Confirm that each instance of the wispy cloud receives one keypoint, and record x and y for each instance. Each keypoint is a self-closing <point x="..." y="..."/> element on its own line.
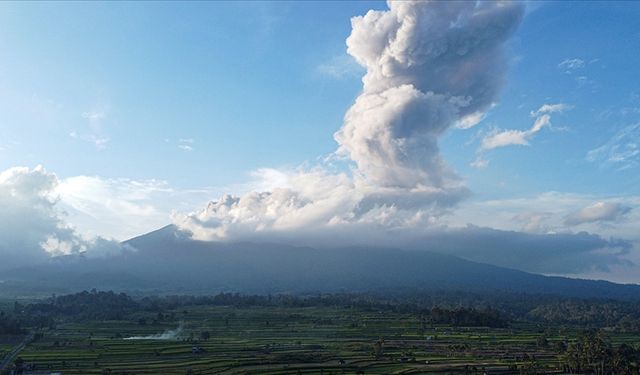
<point x="95" y="133"/>
<point x="622" y="151"/>
<point x="479" y="163"/>
<point x="571" y="65"/>
<point x="471" y="120"/>
<point x="576" y="68"/>
<point x="7" y="143"/>
<point x="598" y="212"/>
<point x="503" y="138"/>
<point x="186" y="144"/>
<point x="94" y="116"/>
<point x="557" y="212"/>
<point x="551" y="108"/>
<point x="99" y="142"/>
<point x="340" y="67"/>
<point x="94" y="202"/>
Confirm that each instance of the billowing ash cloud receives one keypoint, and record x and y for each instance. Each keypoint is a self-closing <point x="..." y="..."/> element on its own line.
<point x="31" y="227"/>
<point x="429" y="66"/>
<point x="309" y="206"/>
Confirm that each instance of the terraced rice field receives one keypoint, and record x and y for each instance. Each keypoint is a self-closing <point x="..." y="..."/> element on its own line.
<point x="272" y="340"/>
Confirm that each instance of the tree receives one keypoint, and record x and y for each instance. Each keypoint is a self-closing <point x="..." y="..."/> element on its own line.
<point x="378" y="348"/>
<point x="205" y="335"/>
<point x="542" y="341"/>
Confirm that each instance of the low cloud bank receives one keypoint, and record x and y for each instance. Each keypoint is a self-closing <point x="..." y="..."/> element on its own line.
<point x="33" y="228"/>
<point x="553" y="253"/>
<point x="598" y="212"/>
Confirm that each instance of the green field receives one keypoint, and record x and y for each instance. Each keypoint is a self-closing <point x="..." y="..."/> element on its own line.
<point x="283" y="340"/>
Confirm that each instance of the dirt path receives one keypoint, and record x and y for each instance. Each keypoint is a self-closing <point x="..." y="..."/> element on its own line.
<point x="7" y="360"/>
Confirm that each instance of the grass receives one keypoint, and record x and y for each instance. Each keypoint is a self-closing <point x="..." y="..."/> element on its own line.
<point x="272" y="340"/>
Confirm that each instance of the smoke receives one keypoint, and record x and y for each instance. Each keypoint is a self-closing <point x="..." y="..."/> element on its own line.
<point x="315" y="205"/>
<point x="429" y="66"/>
<point x="170" y="334"/>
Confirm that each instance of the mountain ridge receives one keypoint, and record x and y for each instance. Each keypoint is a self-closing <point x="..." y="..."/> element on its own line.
<point x="420" y="269"/>
<point x="169" y="261"/>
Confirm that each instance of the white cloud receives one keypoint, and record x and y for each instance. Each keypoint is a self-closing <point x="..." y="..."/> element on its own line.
<point x="479" y="163"/>
<point x="569" y="65"/>
<point x="470" y="120"/>
<point x="558" y="247"/>
<point x="598" y="212"/>
<point x="583" y="81"/>
<point x="95" y="133"/>
<point x="340" y="67"/>
<point x="319" y="209"/>
<point x="304" y="205"/>
<point x="99" y="142"/>
<point x="547" y="253"/>
<point x="121" y="208"/>
<point x="622" y="151"/>
<point x="534" y="222"/>
<point x="184" y="144"/>
<point x="88" y="208"/>
<point x="548" y="213"/>
<point x="577" y="66"/>
<point x="551" y="108"/>
<point x="94" y="116"/>
<point x="117" y="208"/>
<point x="497" y="138"/>
<point x="514" y="137"/>
<point x="32" y="225"/>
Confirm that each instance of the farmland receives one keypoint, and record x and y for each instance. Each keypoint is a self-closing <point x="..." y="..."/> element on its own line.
<point x="205" y="339"/>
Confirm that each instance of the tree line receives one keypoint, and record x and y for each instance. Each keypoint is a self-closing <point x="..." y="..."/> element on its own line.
<point x="451" y="308"/>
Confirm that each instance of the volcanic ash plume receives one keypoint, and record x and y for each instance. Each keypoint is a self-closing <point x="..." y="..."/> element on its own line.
<point x="430" y="66"/>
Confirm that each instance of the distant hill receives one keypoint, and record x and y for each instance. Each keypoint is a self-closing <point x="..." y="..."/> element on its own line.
<point x="167" y="261"/>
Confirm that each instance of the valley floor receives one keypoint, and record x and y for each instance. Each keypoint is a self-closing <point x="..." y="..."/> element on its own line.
<point x="293" y="340"/>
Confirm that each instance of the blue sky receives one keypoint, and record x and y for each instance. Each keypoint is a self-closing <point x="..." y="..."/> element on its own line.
<point x="242" y="80"/>
<point x="232" y="77"/>
<point x="186" y="101"/>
